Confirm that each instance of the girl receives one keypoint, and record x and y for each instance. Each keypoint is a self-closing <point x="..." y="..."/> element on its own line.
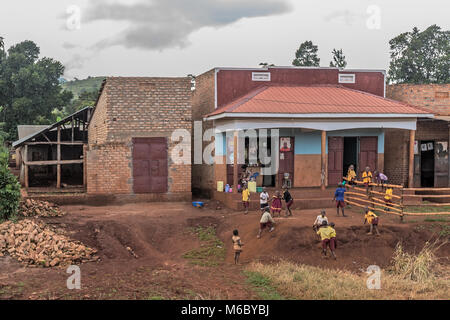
<point x="276" y="203"/>
<point x="237" y="246"/>
<point x="289" y="201"/>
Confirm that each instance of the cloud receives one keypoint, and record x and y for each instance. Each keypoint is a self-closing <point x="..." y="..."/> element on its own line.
<point x="161" y="24"/>
<point x="69" y="46"/>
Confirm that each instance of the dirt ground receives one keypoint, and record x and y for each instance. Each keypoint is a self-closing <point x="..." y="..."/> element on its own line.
<point x="161" y="233"/>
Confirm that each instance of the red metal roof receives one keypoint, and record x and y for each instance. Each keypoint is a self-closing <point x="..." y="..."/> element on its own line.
<point x="315" y="99"/>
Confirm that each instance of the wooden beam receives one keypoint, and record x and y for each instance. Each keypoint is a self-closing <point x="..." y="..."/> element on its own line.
<point x="73" y="130"/>
<point x="53" y="162"/>
<point x="235" y="162"/>
<point x="45" y="136"/>
<point x="323" y="159"/>
<point x="25" y="158"/>
<point x="85" y="166"/>
<point x="54" y="142"/>
<point x="58" y="157"/>
<point x="412" y="137"/>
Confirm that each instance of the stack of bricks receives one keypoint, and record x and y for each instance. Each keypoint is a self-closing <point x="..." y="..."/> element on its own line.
<point x="130" y="108"/>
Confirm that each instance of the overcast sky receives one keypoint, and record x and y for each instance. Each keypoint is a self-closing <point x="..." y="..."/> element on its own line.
<point x="178" y="37"/>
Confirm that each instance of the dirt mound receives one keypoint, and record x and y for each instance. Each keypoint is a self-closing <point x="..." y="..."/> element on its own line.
<point x="34" y="243"/>
<point x="32" y="208"/>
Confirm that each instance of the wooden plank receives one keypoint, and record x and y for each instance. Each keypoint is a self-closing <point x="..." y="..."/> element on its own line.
<point x="430" y="205"/>
<point x="53" y="162"/>
<point x="426" y="213"/>
<point x="428" y="189"/>
<point x="58" y="157"/>
<point x="374" y="192"/>
<point x="427" y="195"/>
<point x="54" y="142"/>
<point x="372" y="208"/>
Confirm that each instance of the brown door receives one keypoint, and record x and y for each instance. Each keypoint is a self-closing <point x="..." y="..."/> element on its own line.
<point x="368" y="149"/>
<point x="335" y="160"/>
<point x="286" y="164"/>
<point x="441" y="164"/>
<point x="150" y="165"/>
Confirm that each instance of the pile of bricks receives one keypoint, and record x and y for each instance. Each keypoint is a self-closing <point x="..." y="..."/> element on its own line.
<point x="32" y="208"/>
<point x="33" y="243"/>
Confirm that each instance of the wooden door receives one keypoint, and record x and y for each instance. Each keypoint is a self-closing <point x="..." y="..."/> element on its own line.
<point x="335" y="160"/>
<point x="286" y="156"/>
<point x="150" y="165"/>
<point x="368" y="153"/>
<point x="441" y="164"/>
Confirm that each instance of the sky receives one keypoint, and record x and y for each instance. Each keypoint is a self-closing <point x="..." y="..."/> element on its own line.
<point x="181" y="37"/>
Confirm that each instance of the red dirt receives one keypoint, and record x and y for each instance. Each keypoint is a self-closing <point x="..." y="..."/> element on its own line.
<point x="159" y="234"/>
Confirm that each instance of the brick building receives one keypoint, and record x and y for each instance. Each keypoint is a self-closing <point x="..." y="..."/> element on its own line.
<point x="130" y="145"/>
<point x="431" y="165"/>
<point x="328" y="118"/>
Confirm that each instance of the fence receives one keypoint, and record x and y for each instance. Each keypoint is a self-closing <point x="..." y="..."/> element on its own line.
<point x="374" y="197"/>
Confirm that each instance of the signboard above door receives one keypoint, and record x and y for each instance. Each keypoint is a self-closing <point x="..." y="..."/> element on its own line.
<point x="260" y="76"/>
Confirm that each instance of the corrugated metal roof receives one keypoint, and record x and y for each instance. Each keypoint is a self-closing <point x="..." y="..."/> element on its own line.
<point x="315" y="99"/>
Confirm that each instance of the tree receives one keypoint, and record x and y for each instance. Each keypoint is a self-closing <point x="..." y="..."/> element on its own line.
<point x="338" y="59"/>
<point x="29" y="87"/>
<point x="266" y="65"/>
<point x="306" y="55"/>
<point x="420" y="57"/>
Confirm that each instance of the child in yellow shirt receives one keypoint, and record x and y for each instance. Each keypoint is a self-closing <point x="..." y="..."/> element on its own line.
<point x="367" y="176"/>
<point x="237" y="246"/>
<point x="372" y="219"/>
<point x="351" y="174"/>
<point x="246" y="198"/>
<point x="328" y="236"/>
<point x="388" y="198"/>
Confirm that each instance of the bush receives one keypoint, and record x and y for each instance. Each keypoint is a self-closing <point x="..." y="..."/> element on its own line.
<point x="9" y="188"/>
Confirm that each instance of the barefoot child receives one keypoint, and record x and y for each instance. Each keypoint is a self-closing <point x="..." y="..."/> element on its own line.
<point x="351" y="175"/>
<point x="367" y="177"/>
<point x="237" y="246"/>
<point x="289" y="201"/>
<point x="276" y="204"/>
<point x="266" y="222"/>
<point x="339" y="198"/>
<point x="245" y="198"/>
<point x="388" y="198"/>
<point x="326" y="233"/>
<point x="319" y="220"/>
<point x="372" y="219"/>
<point x="264" y="199"/>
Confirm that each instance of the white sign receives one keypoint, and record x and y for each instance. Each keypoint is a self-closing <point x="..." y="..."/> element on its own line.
<point x="260" y="76"/>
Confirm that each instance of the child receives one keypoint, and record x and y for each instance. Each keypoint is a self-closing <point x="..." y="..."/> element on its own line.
<point x="326" y="233"/>
<point x="237" y="246"/>
<point x="264" y="199"/>
<point x="339" y="198"/>
<point x="276" y="203"/>
<point x="388" y="198"/>
<point x="351" y="175"/>
<point x="289" y="201"/>
<point x="367" y="176"/>
<point x="266" y="222"/>
<point x="245" y="198"/>
<point x="380" y="178"/>
<point x="320" y="219"/>
<point x="372" y="219"/>
<point x="333" y="238"/>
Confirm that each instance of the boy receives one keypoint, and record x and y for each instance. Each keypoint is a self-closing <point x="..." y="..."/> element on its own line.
<point x="245" y="198"/>
<point x="320" y="219"/>
<point x="264" y="199"/>
<point x="326" y="233"/>
<point x="266" y="222"/>
<point x="333" y="238"/>
<point x="339" y="198"/>
<point x="388" y="198"/>
<point x="237" y="246"/>
<point x="289" y="201"/>
<point x="372" y="219"/>
<point x="367" y="176"/>
<point x="351" y="175"/>
<point x="381" y="178"/>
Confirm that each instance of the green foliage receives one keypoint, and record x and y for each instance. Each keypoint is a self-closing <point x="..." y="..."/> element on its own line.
<point x="77" y="87"/>
<point x="9" y="188"/>
<point x="29" y="87"/>
<point x="338" y="59"/>
<point x="420" y="57"/>
<point x="262" y="286"/>
<point x="306" y="55"/>
<point x="212" y="250"/>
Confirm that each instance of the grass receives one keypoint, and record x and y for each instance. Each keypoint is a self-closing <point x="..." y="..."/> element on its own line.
<point x="262" y="285"/>
<point x="211" y="251"/>
<point x="78" y="86"/>
<point x="410" y="277"/>
<point x="429" y="209"/>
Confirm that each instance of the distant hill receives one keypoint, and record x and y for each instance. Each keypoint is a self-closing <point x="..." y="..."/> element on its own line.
<point x="78" y="86"/>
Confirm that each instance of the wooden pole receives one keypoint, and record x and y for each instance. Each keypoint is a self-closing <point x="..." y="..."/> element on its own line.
<point x="73" y="131"/>
<point x="323" y="159"/>
<point x="235" y="162"/>
<point x="412" y="137"/>
<point x="25" y="158"/>
<point x="58" y="156"/>
<point x="84" y="166"/>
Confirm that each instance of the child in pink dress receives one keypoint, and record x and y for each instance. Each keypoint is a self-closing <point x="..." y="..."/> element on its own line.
<point x="276" y="204"/>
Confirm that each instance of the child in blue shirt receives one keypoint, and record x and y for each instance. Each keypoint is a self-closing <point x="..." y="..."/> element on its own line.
<point x="339" y="198"/>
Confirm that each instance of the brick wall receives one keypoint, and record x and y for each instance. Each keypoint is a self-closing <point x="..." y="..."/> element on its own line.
<point x="136" y="107"/>
<point x="396" y="151"/>
<point x="203" y="102"/>
<point x="433" y="97"/>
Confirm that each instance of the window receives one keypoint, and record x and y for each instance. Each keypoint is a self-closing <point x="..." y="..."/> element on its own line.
<point x="347" y="78"/>
<point x="260" y="76"/>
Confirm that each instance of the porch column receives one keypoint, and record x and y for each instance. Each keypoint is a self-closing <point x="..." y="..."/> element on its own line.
<point x="58" y="157"/>
<point x="235" y="162"/>
<point x="323" y="160"/>
<point x="25" y="161"/>
<point x="412" y="137"/>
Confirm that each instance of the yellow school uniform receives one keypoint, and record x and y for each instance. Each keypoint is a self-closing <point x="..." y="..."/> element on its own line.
<point x="367" y="177"/>
<point x="351" y="175"/>
<point x="326" y="233"/>
<point x="388" y="195"/>
<point x="370" y="216"/>
<point x="245" y="195"/>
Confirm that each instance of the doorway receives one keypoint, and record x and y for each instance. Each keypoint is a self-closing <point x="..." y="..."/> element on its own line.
<point x="350" y="153"/>
<point x="427" y="164"/>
